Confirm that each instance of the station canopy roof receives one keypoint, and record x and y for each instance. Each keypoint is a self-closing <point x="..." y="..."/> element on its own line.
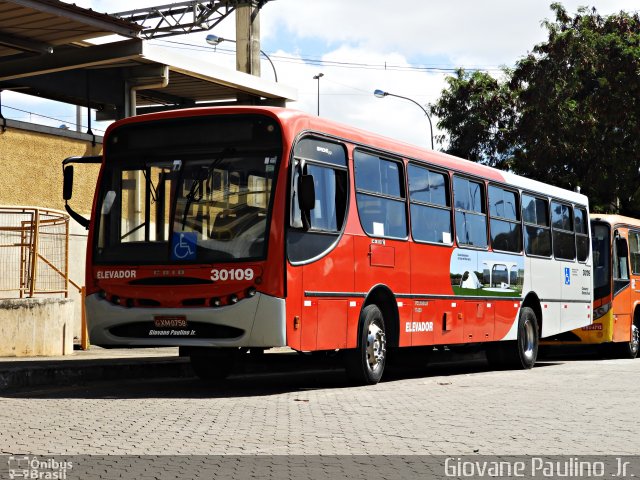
<point x="44" y="52"/>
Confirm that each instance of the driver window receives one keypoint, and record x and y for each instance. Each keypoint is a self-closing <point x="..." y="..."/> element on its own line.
<point x="314" y="231"/>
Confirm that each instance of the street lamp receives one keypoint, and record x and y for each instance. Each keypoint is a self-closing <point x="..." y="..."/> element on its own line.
<point x="318" y="77"/>
<point x="382" y="94"/>
<point x="216" y="40"/>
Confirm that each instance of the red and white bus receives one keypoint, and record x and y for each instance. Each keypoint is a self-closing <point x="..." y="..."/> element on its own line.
<point x="225" y="229"/>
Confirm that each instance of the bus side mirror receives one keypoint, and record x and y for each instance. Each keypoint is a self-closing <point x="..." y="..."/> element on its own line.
<point x="622" y="250"/>
<point x="306" y="193"/>
<point x="67" y="187"/>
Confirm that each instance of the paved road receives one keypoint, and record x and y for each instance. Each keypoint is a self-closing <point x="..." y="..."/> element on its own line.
<point x="566" y="406"/>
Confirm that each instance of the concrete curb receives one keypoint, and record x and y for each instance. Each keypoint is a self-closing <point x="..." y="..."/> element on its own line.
<point x="69" y="372"/>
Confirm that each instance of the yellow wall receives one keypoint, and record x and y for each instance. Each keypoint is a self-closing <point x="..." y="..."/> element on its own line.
<point x="32" y="170"/>
<point x="32" y="176"/>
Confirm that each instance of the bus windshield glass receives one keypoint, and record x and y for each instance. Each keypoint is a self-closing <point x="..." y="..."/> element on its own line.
<point x="601" y="246"/>
<point x="194" y="190"/>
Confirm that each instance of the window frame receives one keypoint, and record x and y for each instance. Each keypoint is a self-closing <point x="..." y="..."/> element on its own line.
<point x="586" y="221"/>
<point x="403" y="190"/>
<point x="449" y="197"/>
<point x="518" y="221"/>
<point x="630" y="232"/>
<point x="526" y="224"/>
<point x="484" y="214"/>
<point x="293" y="159"/>
<point x="304" y="162"/>
<point x="561" y="230"/>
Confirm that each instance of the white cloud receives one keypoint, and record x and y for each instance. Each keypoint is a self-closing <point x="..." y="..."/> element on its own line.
<point x="485" y="32"/>
<point x="436" y="32"/>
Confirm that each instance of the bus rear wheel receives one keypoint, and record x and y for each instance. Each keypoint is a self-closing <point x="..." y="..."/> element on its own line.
<point x="213" y="364"/>
<point x="365" y="364"/>
<point x="522" y="353"/>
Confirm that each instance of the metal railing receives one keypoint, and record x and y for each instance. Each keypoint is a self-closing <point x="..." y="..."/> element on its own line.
<point x="34" y="252"/>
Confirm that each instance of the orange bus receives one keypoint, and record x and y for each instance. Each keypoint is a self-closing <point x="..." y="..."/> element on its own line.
<point x="234" y="229"/>
<point x="616" y="286"/>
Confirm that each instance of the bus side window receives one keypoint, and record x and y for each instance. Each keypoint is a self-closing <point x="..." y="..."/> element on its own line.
<point x="430" y="205"/>
<point x="470" y="212"/>
<point x="537" y="231"/>
<point x="582" y="234"/>
<point x="620" y="263"/>
<point x="634" y="250"/>
<point x="380" y="196"/>
<point x="564" y="243"/>
<point x="505" y="220"/>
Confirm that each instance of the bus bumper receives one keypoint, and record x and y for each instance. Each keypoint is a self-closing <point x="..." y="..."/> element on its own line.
<point x="258" y="321"/>
<point x="600" y="331"/>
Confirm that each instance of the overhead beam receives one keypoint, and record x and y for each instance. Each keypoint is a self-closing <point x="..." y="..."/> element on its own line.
<point x="68" y="59"/>
<point x="24" y="44"/>
<point x="88" y="17"/>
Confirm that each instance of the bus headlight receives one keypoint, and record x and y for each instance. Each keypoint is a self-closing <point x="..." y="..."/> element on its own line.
<point x="601" y="311"/>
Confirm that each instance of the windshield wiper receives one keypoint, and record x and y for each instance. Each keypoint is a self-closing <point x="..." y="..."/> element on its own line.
<point x="197" y="181"/>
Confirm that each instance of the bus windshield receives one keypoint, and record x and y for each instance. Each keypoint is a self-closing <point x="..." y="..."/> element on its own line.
<point x="601" y="246"/>
<point x="204" y="202"/>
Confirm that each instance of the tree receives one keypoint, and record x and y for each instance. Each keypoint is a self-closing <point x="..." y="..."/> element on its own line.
<point x="475" y="111"/>
<point x="572" y="114"/>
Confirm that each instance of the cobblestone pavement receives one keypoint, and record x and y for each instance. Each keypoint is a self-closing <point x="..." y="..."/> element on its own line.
<point x="560" y="407"/>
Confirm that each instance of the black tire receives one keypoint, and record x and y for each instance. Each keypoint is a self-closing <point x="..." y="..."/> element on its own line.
<point x="522" y="353"/>
<point x="365" y="364"/>
<point x="211" y="365"/>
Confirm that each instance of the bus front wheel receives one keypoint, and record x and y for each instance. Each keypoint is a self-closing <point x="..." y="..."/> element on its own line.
<point x="366" y="363"/>
<point x="522" y="353"/>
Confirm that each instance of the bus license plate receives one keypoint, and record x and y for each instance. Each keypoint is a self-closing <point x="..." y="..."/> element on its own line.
<point x="170" y="321"/>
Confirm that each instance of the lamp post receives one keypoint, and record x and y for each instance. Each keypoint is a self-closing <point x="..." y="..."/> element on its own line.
<point x="318" y="77"/>
<point x="216" y="40"/>
<point x="382" y="94"/>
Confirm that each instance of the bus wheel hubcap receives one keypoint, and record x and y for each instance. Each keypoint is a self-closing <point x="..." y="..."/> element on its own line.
<point x="635" y="338"/>
<point x="376" y="346"/>
<point x="528" y="340"/>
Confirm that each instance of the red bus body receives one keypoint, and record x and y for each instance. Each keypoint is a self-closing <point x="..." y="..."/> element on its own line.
<point x="319" y="301"/>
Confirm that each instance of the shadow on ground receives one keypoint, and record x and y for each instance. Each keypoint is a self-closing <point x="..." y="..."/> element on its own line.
<point x="271" y="374"/>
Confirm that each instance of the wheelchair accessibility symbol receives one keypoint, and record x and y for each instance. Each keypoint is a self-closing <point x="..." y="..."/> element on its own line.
<point x="183" y="245"/>
<point x="567" y="276"/>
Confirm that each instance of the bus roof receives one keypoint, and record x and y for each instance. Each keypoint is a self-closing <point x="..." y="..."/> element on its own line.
<point x="299" y="121"/>
<point x="616" y="219"/>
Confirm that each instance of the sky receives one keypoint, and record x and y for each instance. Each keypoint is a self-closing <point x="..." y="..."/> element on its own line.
<point x="360" y="46"/>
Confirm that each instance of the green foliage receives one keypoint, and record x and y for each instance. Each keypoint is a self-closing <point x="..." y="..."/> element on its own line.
<point x="568" y="114"/>
<point x="474" y="111"/>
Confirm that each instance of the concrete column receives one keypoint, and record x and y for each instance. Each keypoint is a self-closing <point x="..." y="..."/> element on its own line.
<point x="248" y="38"/>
